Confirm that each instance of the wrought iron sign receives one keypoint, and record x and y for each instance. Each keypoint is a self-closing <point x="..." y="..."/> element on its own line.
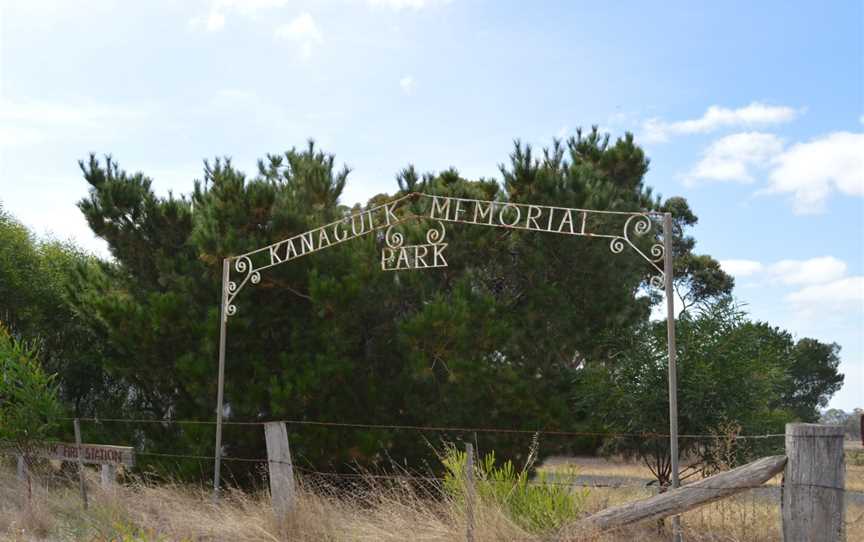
<point x="397" y="256"/>
<point x="620" y="228"/>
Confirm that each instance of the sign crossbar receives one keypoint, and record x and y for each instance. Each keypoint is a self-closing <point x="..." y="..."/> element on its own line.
<point x="619" y="227"/>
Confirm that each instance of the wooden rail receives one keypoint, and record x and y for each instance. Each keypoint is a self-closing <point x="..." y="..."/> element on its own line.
<point x="680" y="500"/>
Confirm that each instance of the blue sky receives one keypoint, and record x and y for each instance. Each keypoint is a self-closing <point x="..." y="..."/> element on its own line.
<point x="751" y="110"/>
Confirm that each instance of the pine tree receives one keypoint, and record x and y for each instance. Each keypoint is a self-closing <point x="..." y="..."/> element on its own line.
<point x="495" y="339"/>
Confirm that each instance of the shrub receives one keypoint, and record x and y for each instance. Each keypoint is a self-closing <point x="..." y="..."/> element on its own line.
<point x="29" y="407"/>
<point x="537" y="504"/>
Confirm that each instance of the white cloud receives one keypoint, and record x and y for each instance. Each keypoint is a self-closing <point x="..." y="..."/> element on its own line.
<point x="715" y="117"/>
<point x="731" y="158"/>
<point x="214" y="19"/>
<point x="654" y="131"/>
<point x="408" y="85"/>
<point x="809" y="171"/>
<point x="20" y="136"/>
<point x="304" y="31"/>
<point x="741" y="268"/>
<point x="835" y="296"/>
<point x="230" y="96"/>
<point x="59" y="113"/>
<point x="30" y="122"/>
<point x="817" y="288"/>
<point x="246" y="105"/>
<point x="812" y="171"/>
<point x="250" y="7"/>
<point x="814" y="271"/>
<point x="215" y="22"/>
<point x="402" y="4"/>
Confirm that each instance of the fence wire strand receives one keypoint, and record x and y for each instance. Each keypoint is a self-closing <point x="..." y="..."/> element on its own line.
<point x="439" y="429"/>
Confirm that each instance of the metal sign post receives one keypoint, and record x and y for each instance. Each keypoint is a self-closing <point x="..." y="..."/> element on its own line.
<point x="223" y="322"/>
<point x="673" y="368"/>
<point x="620" y="229"/>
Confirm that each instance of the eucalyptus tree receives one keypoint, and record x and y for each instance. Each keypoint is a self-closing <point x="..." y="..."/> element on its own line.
<point x="734" y="376"/>
<point x="35" y="277"/>
<point x="29" y="404"/>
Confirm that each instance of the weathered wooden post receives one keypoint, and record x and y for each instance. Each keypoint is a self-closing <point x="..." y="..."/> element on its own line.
<point x="279" y="468"/>
<point x="22" y="469"/>
<point x="469" y="492"/>
<point x="24" y="477"/>
<point x="78" y="454"/>
<point x="813" y="484"/>
<point x="108" y="476"/>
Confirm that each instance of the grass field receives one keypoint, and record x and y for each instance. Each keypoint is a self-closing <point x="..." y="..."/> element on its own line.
<point x="854" y="466"/>
<point x="631" y="470"/>
<point x="167" y="512"/>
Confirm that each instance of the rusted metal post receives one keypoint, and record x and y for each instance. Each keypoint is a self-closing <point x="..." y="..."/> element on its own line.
<point x="223" y="321"/>
<point x="673" y="368"/>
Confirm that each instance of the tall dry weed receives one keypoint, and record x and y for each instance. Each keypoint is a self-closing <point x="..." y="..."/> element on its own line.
<point x="370" y="510"/>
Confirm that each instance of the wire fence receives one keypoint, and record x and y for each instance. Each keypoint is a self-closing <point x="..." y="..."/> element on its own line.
<point x="759" y="501"/>
<point x="356" y="472"/>
<point x="433" y="428"/>
<point x="604" y="481"/>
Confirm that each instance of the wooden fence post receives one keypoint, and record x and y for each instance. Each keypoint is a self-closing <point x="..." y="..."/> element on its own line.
<point x="469" y="492"/>
<point x="813" y="484"/>
<point x="22" y="469"/>
<point x="108" y="476"/>
<point x="279" y="467"/>
<point x="77" y="426"/>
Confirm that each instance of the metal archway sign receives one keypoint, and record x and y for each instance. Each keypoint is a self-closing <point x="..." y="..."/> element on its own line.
<point x="619" y="229"/>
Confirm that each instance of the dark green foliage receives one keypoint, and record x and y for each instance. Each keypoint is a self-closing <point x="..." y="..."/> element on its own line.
<point x="496" y="337"/>
<point x="698" y="277"/>
<point x="731" y="372"/>
<point x="503" y="337"/>
<point x="35" y="278"/>
<point x="29" y="406"/>
<point x="812" y="376"/>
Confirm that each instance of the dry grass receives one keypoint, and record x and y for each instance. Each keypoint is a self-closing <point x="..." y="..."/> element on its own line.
<point x="745" y="517"/>
<point x="854" y="465"/>
<point x="598" y="466"/>
<point x="621" y="468"/>
<point x="170" y="512"/>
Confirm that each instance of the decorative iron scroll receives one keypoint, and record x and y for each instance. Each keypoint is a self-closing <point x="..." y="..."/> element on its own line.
<point x="396" y="257"/>
<point x="621" y="228"/>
